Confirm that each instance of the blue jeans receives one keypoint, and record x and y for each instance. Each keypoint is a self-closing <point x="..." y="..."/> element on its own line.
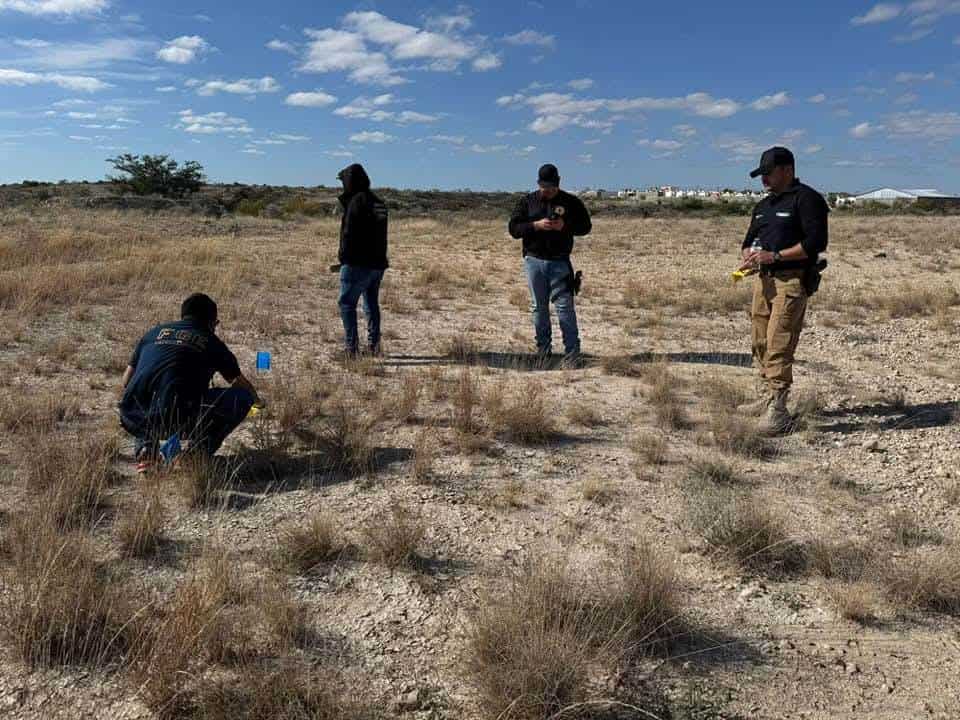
<point x="548" y="283"/>
<point x="355" y="282"/>
<point x="220" y="413"/>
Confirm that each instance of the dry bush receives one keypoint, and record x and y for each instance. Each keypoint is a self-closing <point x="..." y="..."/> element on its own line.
<point x="649" y="448"/>
<point x="466" y="400"/>
<point x="72" y="474"/>
<point x="599" y="490"/>
<point x="911" y="300"/>
<point x="639" y="295"/>
<point x="318" y="540"/>
<point x="525" y="416"/>
<point x="140" y="526"/>
<point x="461" y="349"/>
<point x="907" y="531"/>
<point x="344" y="436"/>
<point x="722" y="393"/>
<point x="737" y="435"/>
<point x="663" y="397"/>
<point x="292" y="690"/>
<point x="582" y="413"/>
<point x="36" y="411"/>
<point x="408" y="399"/>
<point x="59" y="605"/>
<point x="393" y="538"/>
<point x="534" y="647"/>
<point x="742" y="527"/>
<point x="425" y="452"/>
<point x="621" y="365"/>
<point x="200" y="479"/>
<point x="295" y="402"/>
<point x="857" y="602"/>
<point x="927" y="582"/>
<point x="713" y="470"/>
<point x="520" y="299"/>
<point x="848" y="561"/>
<point x="644" y="601"/>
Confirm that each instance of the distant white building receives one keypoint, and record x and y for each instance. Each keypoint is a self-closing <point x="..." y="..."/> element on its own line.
<point x="891" y="195"/>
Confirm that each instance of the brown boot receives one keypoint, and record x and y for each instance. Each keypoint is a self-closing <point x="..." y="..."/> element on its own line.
<point x="777" y="420"/>
<point x="756" y="408"/>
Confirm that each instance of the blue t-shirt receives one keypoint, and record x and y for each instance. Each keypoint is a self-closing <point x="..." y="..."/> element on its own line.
<point x="173" y="366"/>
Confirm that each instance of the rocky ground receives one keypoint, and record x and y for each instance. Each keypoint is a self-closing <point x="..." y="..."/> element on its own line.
<point x="878" y="381"/>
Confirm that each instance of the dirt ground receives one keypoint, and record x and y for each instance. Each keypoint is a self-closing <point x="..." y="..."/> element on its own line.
<point x="878" y="379"/>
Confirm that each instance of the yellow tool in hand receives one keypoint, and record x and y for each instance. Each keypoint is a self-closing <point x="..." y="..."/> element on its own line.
<point x="741" y="274"/>
<point x="256" y="409"/>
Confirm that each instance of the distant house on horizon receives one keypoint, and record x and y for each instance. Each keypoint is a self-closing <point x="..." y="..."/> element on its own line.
<point x="890" y="196"/>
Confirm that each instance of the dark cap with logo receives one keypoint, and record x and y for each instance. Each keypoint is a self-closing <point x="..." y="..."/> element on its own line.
<point x="549" y="176"/>
<point x="773" y="158"/>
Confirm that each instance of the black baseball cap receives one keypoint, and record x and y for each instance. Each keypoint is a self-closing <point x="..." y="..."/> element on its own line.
<point x="548" y="176"/>
<point x="773" y="158"/>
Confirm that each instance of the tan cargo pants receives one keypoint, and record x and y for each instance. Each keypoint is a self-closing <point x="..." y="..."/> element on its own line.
<point x="778" y="309"/>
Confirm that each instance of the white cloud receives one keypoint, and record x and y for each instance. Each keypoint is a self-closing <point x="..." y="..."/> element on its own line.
<point x="525" y="151"/>
<point x="581" y="84"/>
<point x="924" y="125"/>
<point x="77" y="55"/>
<point x="341" y="51"/>
<point x="670" y="145"/>
<point x="281" y="46"/>
<point x="488" y="149"/>
<point x="293" y="138"/>
<point x="907" y="99"/>
<point x="817" y="99"/>
<point x="409" y="116"/>
<point x="507" y="100"/>
<point x="166" y="89"/>
<point x="244" y="86"/>
<point x="769" y="102"/>
<point x="407" y="41"/>
<point x="792" y="135"/>
<point x="310" y="99"/>
<point x="545" y="125"/>
<point x="585" y="159"/>
<point x="253" y="151"/>
<point x="740" y="149"/>
<point x="531" y="37"/>
<point x="882" y="12"/>
<point x="79" y="83"/>
<point x="450" y="24"/>
<point x="685" y="130"/>
<point x="813" y="149"/>
<point x="367" y="108"/>
<point x="956" y="40"/>
<point x="908" y="77"/>
<point x="910" y="37"/>
<point x="212" y="124"/>
<point x="375" y="137"/>
<point x="339" y="153"/>
<point x="55" y="7"/>
<point x="184" y="49"/>
<point x="863" y="130"/>
<point x="507" y="133"/>
<point x="451" y="139"/>
<point x="80" y="138"/>
<point x="487" y="61"/>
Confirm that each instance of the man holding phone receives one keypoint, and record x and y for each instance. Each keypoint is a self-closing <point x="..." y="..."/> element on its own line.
<point x="547" y="221"/>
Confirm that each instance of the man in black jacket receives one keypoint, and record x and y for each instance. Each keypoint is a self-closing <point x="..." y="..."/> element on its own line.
<point x="363" y="257"/>
<point x="166" y="386"/>
<point x="547" y="221"/>
<point x="787" y="233"/>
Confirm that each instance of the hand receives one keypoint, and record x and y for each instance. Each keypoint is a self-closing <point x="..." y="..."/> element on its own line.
<point x="543" y="225"/>
<point x="762" y="257"/>
<point x="558" y="225"/>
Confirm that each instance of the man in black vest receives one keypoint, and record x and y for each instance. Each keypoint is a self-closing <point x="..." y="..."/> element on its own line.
<point x="166" y="386"/>
<point x="787" y="233"/>
<point x="547" y="221"/>
<point x="363" y="257"/>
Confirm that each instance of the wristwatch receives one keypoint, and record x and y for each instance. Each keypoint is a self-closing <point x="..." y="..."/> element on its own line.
<point x="777" y="257"/>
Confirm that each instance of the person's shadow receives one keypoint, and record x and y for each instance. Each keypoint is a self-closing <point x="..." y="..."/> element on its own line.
<point x="891" y="417"/>
<point x="531" y="362"/>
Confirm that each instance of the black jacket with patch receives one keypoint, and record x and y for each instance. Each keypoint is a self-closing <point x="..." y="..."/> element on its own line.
<point x="363" y="227"/>
<point x="797" y="215"/>
<point x="552" y="244"/>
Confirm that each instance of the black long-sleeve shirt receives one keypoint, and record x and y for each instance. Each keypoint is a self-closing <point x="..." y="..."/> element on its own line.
<point x="363" y="227"/>
<point x="797" y="215"/>
<point x="549" y="244"/>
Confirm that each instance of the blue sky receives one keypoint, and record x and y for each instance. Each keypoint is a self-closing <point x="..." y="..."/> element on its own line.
<point x="454" y="95"/>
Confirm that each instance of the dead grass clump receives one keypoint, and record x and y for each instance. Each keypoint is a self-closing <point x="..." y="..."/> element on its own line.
<point x="599" y="490"/>
<point x="525" y="416"/>
<point x="408" y="399"/>
<point x="856" y="602"/>
<point x="722" y="393"/>
<point x="637" y="294"/>
<point x="59" y="607"/>
<point x="736" y="435"/>
<point x="520" y="299"/>
<point x="742" y="527"/>
<point x="345" y="438"/>
<point x="393" y="538"/>
<point x="425" y="453"/>
<point x="848" y="561"/>
<point x="303" y="547"/>
<point x="621" y="365"/>
<point x="140" y="526"/>
<point x="38" y="412"/>
<point x="928" y="583"/>
<point x="713" y="470"/>
<point x="664" y="399"/>
<point x="466" y="400"/>
<point x="649" y="448"/>
<point x="200" y="479"/>
<point x="907" y="531"/>
<point x="582" y="413"/>
<point x="461" y="349"/>
<point x="534" y="647"/>
<point x="915" y="301"/>
<point x="645" y="603"/>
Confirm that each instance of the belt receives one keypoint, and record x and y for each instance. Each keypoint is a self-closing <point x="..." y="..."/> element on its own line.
<point x="770" y="271"/>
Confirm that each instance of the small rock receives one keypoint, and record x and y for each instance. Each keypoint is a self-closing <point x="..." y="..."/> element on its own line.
<point x="750" y="592"/>
<point x="852" y="668"/>
<point x="886" y="688"/>
<point x="872" y="444"/>
<point x="409" y="702"/>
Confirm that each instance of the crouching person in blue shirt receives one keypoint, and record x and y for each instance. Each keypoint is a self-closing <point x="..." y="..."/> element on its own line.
<point x="166" y="386"/>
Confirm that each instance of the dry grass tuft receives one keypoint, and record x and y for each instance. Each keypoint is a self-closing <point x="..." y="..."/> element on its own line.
<point x="393" y="538"/>
<point x="713" y="470"/>
<point x="744" y="528"/>
<point x="664" y="399"/>
<point x="734" y="434"/>
<point x="848" y="561"/>
<point x="534" y="648"/>
<point x="60" y="606"/>
<point x="583" y="414"/>
<point x="200" y="479"/>
<point x="929" y="582"/>
<point x="345" y="437"/>
<point x="408" y="398"/>
<point x="599" y="490"/>
<point x="425" y="452"/>
<point x="466" y="400"/>
<point x="461" y="349"/>
<point x="38" y="412"/>
<point x="620" y="365"/>
<point x="649" y="448"/>
<point x="856" y="602"/>
<point x="907" y="531"/>
<point x="140" y="527"/>
<point x="303" y="547"/>
<point x="524" y="415"/>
